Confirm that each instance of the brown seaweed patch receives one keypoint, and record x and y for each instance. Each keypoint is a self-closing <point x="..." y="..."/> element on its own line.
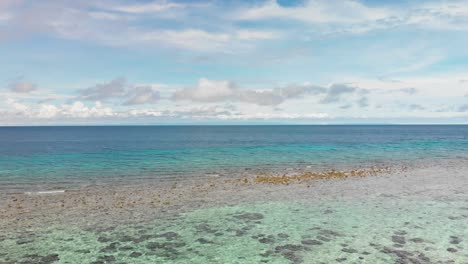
<point x="307" y="176"/>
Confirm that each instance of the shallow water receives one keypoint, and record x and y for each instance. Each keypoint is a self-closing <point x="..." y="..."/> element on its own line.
<point x="120" y="211"/>
<point x="379" y="231"/>
<point x="35" y="158"/>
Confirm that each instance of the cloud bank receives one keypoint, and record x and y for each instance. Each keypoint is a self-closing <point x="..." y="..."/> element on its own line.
<point x="121" y="90"/>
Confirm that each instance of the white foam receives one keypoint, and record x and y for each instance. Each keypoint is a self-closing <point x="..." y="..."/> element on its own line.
<point x="45" y="192"/>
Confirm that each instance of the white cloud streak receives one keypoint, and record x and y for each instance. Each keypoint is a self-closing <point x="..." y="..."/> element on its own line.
<point x="151" y="7"/>
<point x="351" y="16"/>
<point x="316" y="11"/>
<point x="131" y="25"/>
<point x="19" y="110"/>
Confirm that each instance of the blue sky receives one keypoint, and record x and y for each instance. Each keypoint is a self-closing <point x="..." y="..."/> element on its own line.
<point x="213" y="61"/>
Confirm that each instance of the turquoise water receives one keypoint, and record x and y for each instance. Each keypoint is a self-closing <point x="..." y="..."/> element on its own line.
<point x="286" y="232"/>
<point x="31" y="155"/>
<point x="415" y="214"/>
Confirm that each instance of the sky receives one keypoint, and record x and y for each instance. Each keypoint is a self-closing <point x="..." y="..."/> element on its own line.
<point x="93" y="62"/>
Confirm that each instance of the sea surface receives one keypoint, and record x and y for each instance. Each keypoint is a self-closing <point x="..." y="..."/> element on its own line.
<point x="35" y="158"/>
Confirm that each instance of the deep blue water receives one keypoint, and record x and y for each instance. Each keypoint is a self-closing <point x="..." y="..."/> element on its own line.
<point x="42" y="155"/>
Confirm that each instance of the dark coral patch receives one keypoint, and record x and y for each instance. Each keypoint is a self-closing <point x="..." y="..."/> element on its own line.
<point x="454" y="240"/>
<point x="204" y="241"/>
<point x="291" y="252"/>
<point x="406" y="256"/>
<point x="169" y="235"/>
<point x="249" y="216"/>
<point x="205" y="228"/>
<point x="417" y="240"/>
<point x="327" y="232"/>
<point x="399" y="239"/>
<point x="267" y="240"/>
<point x="135" y="254"/>
<point x="165" y="246"/>
<point x="349" y="250"/>
<point x="103" y="239"/>
<point x="324" y="239"/>
<point x="311" y="242"/>
<point x="126" y="248"/>
<point x="111" y="247"/>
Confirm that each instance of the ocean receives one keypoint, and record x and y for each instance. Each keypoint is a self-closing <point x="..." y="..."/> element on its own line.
<point x="36" y="158"/>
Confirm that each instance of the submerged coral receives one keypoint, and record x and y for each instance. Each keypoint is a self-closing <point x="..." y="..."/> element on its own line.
<point x="306" y="176"/>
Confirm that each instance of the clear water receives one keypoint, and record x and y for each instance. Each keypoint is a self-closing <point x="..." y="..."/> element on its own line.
<point x="31" y="155"/>
<point x="419" y="215"/>
<point x="376" y="231"/>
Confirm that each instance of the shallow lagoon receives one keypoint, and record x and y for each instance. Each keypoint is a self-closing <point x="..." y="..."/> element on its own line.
<point x="352" y="232"/>
<point x="414" y="216"/>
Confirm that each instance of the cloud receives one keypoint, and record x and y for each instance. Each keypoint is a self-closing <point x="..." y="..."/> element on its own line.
<point x="363" y="102"/>
<point x="220" y="113"/>
<point x="213" y="26"/>
<point x="119" y="89"/>
<point x="337" y="91"/>
<point x="151" y="7"/>
<point x="105" y="91"/>
<point x="73" y="110"/>
<point x="22" y="86"/>
<point x="113" y="24"/>
<point x="346" y="106"/>
<point x="416" y="107"/>
<point x="316" y="11"/>
<point x="404" y="90"/>
<point x="20" y="110"/>
<point x="348" y="16"/>
<point x="407" y="90"/>
<point x="416" y="66"/>
<point x="221" y="90"/>
<point x="210" y="91"/>
<point x="142" y="95"/>
<point x="201" y="40"/>
<point x="463" y="108"/>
